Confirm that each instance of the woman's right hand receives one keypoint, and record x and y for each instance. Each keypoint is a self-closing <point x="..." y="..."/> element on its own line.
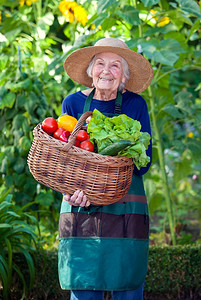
<point x="77" y="199"/>
<point x="88" y="120"/>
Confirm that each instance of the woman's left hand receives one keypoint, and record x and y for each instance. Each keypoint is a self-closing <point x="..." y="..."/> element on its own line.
<point x="77" y="199"/>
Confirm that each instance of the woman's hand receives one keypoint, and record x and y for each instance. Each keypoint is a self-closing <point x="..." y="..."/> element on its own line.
<point x="77" y="199"/>
<point x="88" y="120"/>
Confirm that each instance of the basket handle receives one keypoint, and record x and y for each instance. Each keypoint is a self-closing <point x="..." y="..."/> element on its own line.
<point x="78" y="126"/>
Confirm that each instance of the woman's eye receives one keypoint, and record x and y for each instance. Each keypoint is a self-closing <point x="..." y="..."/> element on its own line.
<point x="99" y="63"/>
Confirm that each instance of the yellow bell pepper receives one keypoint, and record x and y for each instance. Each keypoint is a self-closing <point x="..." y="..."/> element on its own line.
<point x="67" y="122"/>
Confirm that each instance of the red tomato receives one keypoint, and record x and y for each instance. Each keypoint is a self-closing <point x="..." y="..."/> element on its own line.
<point x="88" y="137"/>
<point x="82" y="135"/>
<point x="87" y="145"/>
<point x="64" y="136"/>
<point x="58" y="133"/>
<point x="77" y="143"/>
<point x="49" y="125"/>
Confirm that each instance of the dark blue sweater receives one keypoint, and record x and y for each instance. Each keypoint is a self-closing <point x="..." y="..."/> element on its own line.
<point x="133" y="105"/>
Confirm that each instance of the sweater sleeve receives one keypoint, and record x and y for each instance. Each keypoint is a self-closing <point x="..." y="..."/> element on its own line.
<point x="146" y="127"/>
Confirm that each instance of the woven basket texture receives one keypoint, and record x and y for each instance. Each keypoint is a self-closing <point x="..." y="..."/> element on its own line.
<point x="65" y="168"/>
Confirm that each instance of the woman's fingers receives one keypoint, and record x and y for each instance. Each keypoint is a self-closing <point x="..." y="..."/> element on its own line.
<point x="84" y="202"/>
<point x="88" y="120"/>
<point x="78" y="199"/>
<point x="66" y="197"/>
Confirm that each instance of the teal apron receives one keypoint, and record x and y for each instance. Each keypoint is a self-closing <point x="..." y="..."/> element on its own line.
<point x="105" y="247"/>
<point x="117" y="109"/>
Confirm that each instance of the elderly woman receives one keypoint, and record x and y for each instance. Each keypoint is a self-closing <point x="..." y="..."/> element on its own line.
<point x="105" y="248"/>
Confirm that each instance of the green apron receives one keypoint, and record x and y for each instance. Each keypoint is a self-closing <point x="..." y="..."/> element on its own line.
<point x="105" y="247"/>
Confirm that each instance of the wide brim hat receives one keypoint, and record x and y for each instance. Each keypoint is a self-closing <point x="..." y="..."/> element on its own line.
<point x="141" y="72"/>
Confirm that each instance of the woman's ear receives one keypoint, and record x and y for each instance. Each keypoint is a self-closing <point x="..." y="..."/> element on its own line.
<point x="123" y="79"/>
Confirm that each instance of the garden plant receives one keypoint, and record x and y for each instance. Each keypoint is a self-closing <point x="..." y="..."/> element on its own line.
<point x="35" y="38"/>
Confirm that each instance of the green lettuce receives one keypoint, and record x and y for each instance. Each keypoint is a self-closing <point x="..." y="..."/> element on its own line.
<point x="104" y="131"/>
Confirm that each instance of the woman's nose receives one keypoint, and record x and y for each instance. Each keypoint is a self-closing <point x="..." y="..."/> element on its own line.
<point x="106" y="69"/>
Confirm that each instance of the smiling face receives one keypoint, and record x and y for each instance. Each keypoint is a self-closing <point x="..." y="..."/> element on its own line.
<point x="107" y="72"/>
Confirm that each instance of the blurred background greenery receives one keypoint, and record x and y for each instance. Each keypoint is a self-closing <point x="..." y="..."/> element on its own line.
<point x="35" y="38"/>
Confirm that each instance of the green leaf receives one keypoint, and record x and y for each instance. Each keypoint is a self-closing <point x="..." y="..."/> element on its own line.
<point x="150" y="2"/>
<point x="25" y="143"/>
<point x="5" y="226"/>
<point x="155" y="202"/>
<point x="7" y="101"/>
<point x="171" y="45"/>
<point x="178" y="18"/>
<point x="172" y="110"/>
<point x="19" y="165"/>
<point x="178" y="145"/>
<point x="4" y="271"/>
<point x="3" y="60"/>
<point x="194" y="28"/>
<point x="129" y="14"/>
<point x="165" y="52"/>
<point x="190" y="6"/>
<point x="165" y="57"/>
<point x="18" y="271"/>
<point x="17" y="121"/>
<point x="31" y="103"/>
<point x="194" y="146"/>
<point x="30" y="263"/>
<point x="182" y="169"/>
<point x="21" y="85"/>
<point x="104" y="4"/>
<point x="20" y="100"/>
<point x="108" y="23"/>
<point x="45" y="198"/>
<point x="100" y="19"/>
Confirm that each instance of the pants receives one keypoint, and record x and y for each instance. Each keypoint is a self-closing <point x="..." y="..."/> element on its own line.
<point x="115" y="295"/>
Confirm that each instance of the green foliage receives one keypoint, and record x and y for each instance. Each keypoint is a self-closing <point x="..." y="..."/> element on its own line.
<point x="15" y="236"/>
<point x="173" y="273"/>
<point x="34" y="42"/>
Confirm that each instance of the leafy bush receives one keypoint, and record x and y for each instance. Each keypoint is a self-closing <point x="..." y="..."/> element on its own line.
<point x="15" y="236"/>
<point x="174" y="273"/>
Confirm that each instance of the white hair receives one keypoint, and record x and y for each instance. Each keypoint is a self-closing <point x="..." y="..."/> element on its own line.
<point x="125" y="67"/>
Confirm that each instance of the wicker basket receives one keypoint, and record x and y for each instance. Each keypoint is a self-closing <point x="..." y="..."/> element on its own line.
<point x="65" y="168"/>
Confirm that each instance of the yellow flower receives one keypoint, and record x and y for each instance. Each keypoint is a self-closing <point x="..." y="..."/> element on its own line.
<point x="80" y="14"/>
<point x="190" y="135"/>
<point x="66" y="5"/>
<point x="27" y="2"/>
<point x="71" y="10"/>
<point x="21" y="2"/>
<point x="163" y="21"/>
<point x="94" y="27"/>
<point x="153" y="12"/>
<point x="0" y="17"/>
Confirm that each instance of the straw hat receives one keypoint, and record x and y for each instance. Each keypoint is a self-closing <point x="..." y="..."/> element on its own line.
<point x="141" y="72"/>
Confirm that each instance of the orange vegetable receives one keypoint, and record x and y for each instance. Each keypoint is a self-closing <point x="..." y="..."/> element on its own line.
<point x="67" y="122"/>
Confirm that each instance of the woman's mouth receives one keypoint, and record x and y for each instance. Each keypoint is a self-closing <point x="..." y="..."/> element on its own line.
<point x="105" y="79"/>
